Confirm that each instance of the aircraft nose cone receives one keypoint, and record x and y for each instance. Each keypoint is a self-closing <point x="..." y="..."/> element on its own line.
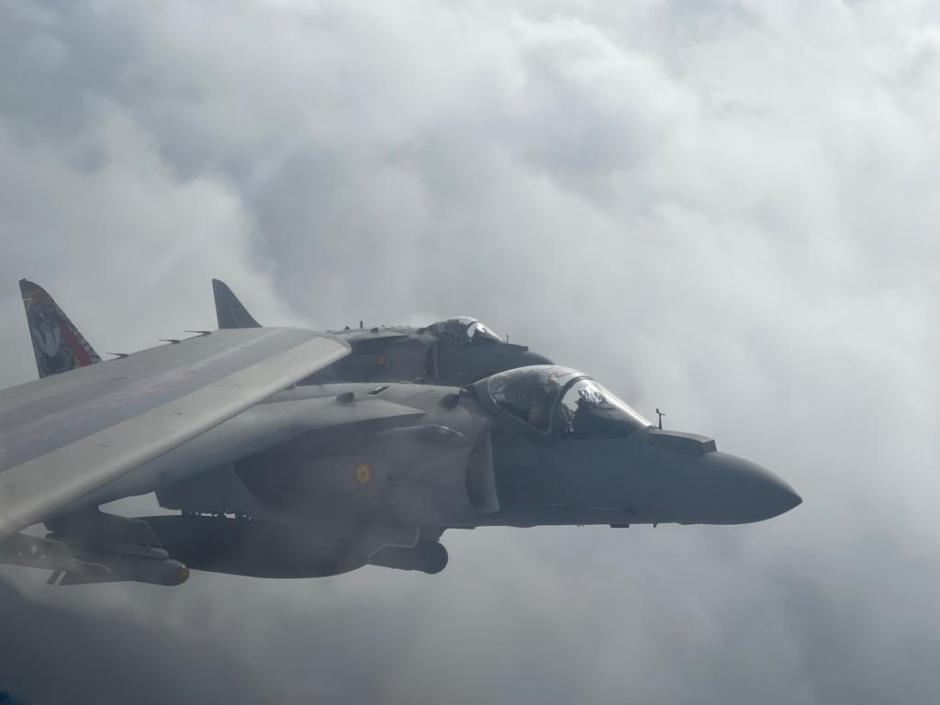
<point x="737" y="491"/>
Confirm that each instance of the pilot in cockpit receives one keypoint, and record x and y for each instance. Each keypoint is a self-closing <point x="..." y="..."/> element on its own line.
<point x="540" y="408"/>
<point x="582" y="407"/>
<point x="542" y="398"/>
<point x="585" y="421"/>
<point x="588" y="413"/>
<point x="464" y="330"/>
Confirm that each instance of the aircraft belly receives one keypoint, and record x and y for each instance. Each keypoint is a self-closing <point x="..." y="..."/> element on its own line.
<point x="272" y="549"/>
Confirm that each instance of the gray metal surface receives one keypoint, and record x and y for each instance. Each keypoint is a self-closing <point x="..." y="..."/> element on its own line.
<point x="65" y="436"/>
<point x="454" y="352"/>
<point x="254" y="430"/>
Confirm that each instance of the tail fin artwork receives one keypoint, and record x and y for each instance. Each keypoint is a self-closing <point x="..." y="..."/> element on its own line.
<point x="229" y="310"/>
<point x="57" y="343"/>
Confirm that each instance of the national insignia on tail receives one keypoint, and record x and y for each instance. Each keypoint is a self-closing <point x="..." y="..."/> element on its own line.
<point x="57" y="343"/>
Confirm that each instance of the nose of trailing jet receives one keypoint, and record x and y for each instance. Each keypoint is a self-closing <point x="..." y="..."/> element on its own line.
<point x="732" y="490"/>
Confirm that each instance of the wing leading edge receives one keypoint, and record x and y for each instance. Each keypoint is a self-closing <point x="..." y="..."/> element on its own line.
<point x="63" y="437"/>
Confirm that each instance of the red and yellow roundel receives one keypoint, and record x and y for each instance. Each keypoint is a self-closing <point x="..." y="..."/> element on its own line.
<point x="380" y="360"/>
<point x="363" y="474"/>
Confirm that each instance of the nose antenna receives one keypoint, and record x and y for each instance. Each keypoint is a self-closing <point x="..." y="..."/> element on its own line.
<point x="660" y="414"/>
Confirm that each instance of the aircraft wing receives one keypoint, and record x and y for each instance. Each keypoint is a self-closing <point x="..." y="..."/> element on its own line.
<point x="63" y="437"/>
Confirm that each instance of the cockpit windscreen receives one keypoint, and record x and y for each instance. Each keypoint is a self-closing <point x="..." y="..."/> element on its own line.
<point x="465" y="331"/>
<point x="563" y="400"/>
<point x="588" y="410"/>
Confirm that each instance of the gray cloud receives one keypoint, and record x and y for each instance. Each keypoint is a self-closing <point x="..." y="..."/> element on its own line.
<point x="723" y="209"/>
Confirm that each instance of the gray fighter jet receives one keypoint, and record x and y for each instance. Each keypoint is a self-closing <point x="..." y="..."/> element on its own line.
<point x="455" y="351"/>
<point x="277" y="480"/>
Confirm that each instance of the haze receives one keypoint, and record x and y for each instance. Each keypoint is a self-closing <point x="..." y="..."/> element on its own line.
<point x="720" y="208"/>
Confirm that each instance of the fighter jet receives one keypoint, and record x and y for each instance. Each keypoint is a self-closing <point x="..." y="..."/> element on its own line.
<point x="455" y="351"/>
<point x="272" y="479"/>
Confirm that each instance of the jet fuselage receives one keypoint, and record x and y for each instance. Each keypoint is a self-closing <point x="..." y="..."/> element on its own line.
<point x="465" y="463"/>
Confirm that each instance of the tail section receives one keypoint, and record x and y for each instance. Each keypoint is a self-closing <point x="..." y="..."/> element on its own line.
<point x="57" y="343"/>
<point x="229" y="310"/>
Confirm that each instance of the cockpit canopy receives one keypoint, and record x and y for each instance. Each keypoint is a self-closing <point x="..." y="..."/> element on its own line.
<point x="560" y="400"/>
<point x="464" y="331"/>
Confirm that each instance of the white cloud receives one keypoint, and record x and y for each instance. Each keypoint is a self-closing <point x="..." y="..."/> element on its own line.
<point x="724" y="209"/>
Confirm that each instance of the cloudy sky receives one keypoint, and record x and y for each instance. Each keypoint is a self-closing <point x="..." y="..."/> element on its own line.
<point x="726" y="209"/>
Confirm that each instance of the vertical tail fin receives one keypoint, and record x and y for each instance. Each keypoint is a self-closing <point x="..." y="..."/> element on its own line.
<point x="57" y="343"/>
<point x="229" y="310"/>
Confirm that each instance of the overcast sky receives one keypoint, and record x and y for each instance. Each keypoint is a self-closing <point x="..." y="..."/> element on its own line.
<point x="726" y="209"/>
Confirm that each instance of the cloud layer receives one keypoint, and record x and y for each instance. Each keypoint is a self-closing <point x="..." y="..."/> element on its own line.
<point x="724" y="209"/>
